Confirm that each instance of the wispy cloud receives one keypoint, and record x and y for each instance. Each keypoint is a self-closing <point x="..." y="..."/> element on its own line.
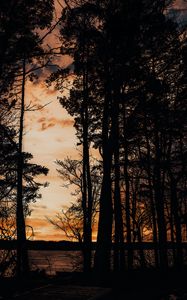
<point x="46" y="122"/>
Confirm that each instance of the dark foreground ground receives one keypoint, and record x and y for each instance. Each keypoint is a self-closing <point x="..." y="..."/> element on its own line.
<point x="146" y="285"/>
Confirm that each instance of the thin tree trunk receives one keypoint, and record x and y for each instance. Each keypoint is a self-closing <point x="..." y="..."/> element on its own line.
<point x="127" y="198"/>
<point x="162" y="236"/>
<point x="142" y="256"/>
<point x="152" y="203"/>
<point x="22" y="253"/>
<point x="172" y="234"/>
<point x="175" y="211"/>
<point x="87" y="200"/>
<point x="89" y="188"/>
<point x="119" y="257"/>
<point x="87" y="184"/>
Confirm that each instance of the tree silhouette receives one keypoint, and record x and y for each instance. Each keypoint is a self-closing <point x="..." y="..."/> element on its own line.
<point x="127" y="97"/>
<point x="20" y="44"/>
<point x="71" y="220"/>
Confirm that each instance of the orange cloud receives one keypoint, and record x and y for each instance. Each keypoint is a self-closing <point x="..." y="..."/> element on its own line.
<point x="46" y="126"/>
<point x="43" y="230"/>
<point x="63" y="122"/>
<point x="36" y="222"/>
<point x="51" y="122"/>
<point x="66" y="123"/>
<point x="41" y="120"/>
<point x="55" y="236"/>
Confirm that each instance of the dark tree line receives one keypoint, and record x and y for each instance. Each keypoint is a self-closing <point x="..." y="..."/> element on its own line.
<point x="128" y="99"/>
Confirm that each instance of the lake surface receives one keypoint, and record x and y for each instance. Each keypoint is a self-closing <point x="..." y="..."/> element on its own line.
<point x="55" y="261"/>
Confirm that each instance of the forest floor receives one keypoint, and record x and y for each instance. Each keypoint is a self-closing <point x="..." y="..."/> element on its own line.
<point x="135" y="285"/>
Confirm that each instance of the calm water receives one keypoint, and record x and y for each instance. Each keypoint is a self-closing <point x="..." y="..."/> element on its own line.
<point x="55" y="261"/>
<point x="67" y="261"/>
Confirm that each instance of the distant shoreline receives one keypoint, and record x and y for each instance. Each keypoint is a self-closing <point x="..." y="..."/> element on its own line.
<point x="42" y="245"/>
<point x="70" y="246"/>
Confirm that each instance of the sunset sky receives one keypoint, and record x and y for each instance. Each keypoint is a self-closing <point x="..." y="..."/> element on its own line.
<point x="50" y="135"/>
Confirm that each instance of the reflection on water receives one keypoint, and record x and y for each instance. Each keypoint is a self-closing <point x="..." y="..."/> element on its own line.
<point x="67" y="261"/>
<point x="55" y="261"/>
